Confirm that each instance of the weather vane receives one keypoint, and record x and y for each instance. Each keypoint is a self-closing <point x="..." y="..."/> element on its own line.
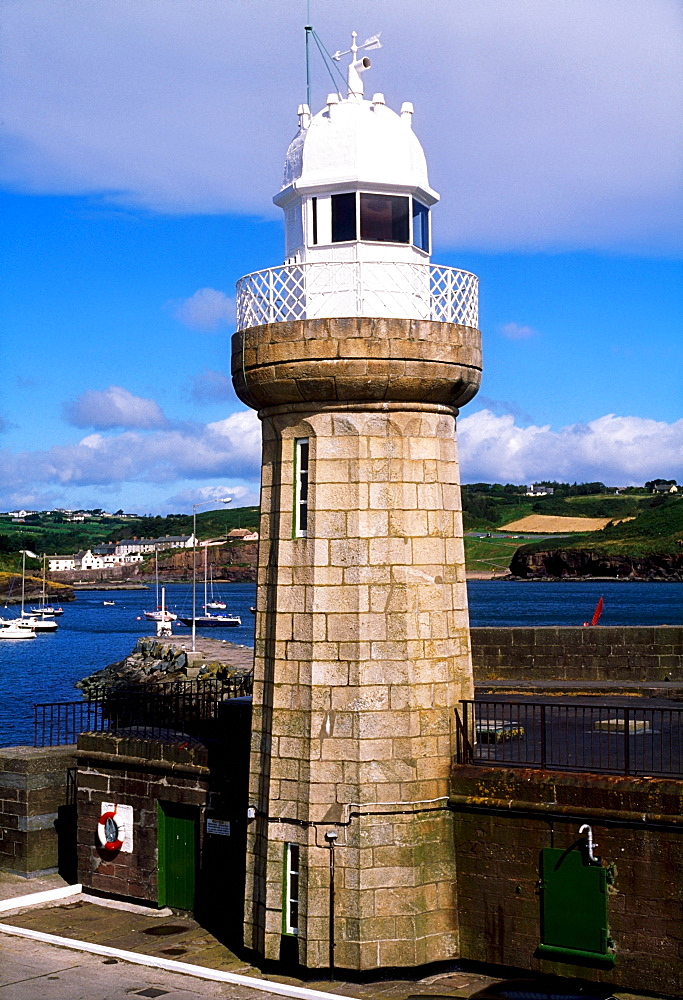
<point x="358" y="66"/>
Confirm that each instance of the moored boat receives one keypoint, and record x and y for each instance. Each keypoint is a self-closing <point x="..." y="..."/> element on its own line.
<point x="15" y="631"/>
<point x="213" y="621"/>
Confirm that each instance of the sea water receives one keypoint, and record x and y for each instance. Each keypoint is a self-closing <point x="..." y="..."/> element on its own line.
<point x="90" y="635"/>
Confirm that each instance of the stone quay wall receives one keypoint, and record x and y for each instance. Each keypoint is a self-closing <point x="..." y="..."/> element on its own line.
<point x="504" y="819"/>
<point x="33" y="804"/>
<point x="609" y="653"/>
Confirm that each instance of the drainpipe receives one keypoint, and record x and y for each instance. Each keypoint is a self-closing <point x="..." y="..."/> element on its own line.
<point x="331" y="837"/>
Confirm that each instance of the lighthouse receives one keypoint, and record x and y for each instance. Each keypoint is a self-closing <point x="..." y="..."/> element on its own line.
<point x="357" y="353"/>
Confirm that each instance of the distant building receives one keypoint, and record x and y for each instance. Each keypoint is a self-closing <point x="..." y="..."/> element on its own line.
<point x="123" y="553"/>
<point x="539" y="491"/>
<point x="128" y="546"/>
<point x="243" y="535"/>
<point x="665" y="488"/>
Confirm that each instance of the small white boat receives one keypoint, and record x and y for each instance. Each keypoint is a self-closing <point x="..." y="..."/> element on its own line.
<point x="37" y="624"/>
<point x="16" y="631"/>
<point x="47" y="611"/>
<point x="160" y="616"/>
<point x="213" y="621"/>
<point x="108" y="604"/>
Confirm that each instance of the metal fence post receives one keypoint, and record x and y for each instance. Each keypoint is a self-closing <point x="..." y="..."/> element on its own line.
<point x="544" y="746"/>
<point x="627" y="741"/>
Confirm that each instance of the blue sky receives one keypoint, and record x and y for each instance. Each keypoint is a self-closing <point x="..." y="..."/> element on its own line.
<point x="144" y="142"/>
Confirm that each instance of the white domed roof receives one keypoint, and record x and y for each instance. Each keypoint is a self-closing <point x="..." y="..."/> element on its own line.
<point x="356" y="143"/>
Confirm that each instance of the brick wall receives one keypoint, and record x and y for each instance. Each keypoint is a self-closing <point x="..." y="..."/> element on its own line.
<point x="503" y="819"/>
<point x="135" y="773"/>
<point x="33" y="796"/>
<point x="627" y="653"/>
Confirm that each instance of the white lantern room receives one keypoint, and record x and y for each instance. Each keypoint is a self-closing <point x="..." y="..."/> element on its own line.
<point x="355" y="183"/>
<point x="357" y="205"/>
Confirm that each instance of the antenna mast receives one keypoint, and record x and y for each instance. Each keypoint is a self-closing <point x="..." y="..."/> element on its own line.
<point x="308" y="29"/>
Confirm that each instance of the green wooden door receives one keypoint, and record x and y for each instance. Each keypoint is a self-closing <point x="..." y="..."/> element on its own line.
<point x="177" y="855"/>
<point x="573" y="907"/>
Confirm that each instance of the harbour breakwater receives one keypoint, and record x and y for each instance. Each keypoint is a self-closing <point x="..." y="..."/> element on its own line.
<point x="157" y="661"/>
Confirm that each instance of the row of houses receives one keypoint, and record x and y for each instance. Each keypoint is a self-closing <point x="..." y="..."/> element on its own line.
<point x="123" y="553"/>
<point x="133" y="550"/>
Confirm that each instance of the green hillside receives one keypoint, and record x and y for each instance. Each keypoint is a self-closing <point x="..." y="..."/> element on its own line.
<point x="487" y="506"/>
<point x="53" y="534"/>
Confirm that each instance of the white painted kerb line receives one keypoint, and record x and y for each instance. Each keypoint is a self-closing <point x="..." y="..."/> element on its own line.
<point x="35" y="898"/>
<point x="279" y="989"/>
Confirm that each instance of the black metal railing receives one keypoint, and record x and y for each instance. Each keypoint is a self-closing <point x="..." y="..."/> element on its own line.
<point x="181" y="711"/>
<point x="571" y="737"/>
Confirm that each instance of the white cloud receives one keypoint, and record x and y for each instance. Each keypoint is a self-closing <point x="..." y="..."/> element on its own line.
<point x="229" y="448"/>
<point x="112" y="407"/>
<point x="546" y="125"/>
<point x="513" y="331"/>
<point x="207" y="310"/>
<point x="614" y="450"/>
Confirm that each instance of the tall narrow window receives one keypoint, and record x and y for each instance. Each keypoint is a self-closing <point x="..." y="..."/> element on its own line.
<point x="343" y="217"/>
<point x="314" y="222"/>
<point x="290" y="890"/>
<point x="420" y="226"/>
<point x="301" y="487"/>
<point x="384" y="218"/>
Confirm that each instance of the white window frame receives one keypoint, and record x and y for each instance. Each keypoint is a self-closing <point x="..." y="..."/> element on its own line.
<point x="287" y="898"/>
<point x="301" y="477"/>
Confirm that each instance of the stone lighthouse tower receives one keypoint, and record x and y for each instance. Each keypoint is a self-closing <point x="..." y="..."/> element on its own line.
<point x="357" y="354"/>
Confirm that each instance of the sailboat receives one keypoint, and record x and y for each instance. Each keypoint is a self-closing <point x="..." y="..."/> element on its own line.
<point x="161" y="614"/>
<point x="207" y="620"/>
<point x="214" y="604"/>
<point x="45" y="610"/>
<point x="25" y="620"/>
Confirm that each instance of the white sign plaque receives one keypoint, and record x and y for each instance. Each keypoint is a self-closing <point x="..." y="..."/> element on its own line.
<point x="218" y="826"/>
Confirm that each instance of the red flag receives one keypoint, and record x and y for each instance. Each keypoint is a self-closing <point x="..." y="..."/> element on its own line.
<point x="598" y="611"/>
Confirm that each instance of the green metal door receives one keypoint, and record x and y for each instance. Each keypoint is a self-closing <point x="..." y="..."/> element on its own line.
<point x="573" y="907"/>
<point x="177" y="855"/>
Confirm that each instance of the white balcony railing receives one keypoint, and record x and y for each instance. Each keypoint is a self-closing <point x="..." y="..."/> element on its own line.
<point x="357" y="288"/>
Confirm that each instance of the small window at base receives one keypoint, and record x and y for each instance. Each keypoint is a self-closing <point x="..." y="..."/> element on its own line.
<point x="290" y="890"/>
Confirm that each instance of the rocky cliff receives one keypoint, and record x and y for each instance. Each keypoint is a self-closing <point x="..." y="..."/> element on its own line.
<point x="581" y="563"/>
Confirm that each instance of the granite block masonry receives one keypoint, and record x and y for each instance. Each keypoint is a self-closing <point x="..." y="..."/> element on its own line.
<point x="362" y="641"/>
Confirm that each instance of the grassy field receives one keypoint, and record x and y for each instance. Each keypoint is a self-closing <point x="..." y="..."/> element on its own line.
<point x="658" y="528"/>
<point x="489" y="555"/>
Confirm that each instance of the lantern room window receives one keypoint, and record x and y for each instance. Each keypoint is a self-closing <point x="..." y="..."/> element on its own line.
<point x="384" y="218"/>
<point x="344" y="217"/>
<point x="420" y="226"/>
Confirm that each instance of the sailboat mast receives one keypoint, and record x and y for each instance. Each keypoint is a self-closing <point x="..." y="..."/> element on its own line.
<point x="23" y="580"/>
<point x="206" y="549"/>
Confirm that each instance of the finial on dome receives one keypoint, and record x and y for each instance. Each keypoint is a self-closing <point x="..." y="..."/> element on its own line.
<point x="304" y="113"/>
<point x="358" y="66"/>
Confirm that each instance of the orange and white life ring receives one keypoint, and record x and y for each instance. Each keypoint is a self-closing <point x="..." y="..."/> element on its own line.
<point x="110" y="831"/>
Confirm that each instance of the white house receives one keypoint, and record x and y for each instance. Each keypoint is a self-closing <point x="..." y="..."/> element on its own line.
<point x="539" y="491"/>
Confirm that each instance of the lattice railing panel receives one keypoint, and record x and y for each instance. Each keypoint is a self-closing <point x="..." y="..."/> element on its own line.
<point x="397" y="290"/>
